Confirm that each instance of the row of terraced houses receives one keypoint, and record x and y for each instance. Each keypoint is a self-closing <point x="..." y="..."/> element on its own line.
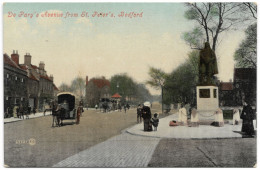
<point x="26" y="84"/>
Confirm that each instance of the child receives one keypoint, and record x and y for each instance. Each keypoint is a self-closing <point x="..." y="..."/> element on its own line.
<point x="155" y="121"/>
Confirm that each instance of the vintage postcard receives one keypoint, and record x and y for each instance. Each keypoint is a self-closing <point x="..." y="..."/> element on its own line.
<point x="129" y="85"/>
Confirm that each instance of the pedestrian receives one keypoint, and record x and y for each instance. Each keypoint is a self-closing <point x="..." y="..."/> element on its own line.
<point x="147" y="118"/>
<point x="21" y="111"/>
<point x="79" y="110"/>
<point x="34" y="110"/>
<point x="155" y="121"/>
<point x="29" y="109"/>
<point x="58" y="115"/>
<point x="82" y="110"/>
<point x="128" y="106"/>
<point x="96" y="106"/>
<point x="53" y="112"/>
<point x="139" y="113"/>
<point x="236" y="116"/>
<point x="17" y="112"/>
<point x="248" y="116"/>
<point x="119" y="107"/>
<point x="125" y="107"/>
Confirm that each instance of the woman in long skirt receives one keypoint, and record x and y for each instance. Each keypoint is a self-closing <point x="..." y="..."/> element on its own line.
<point x="248" y="116"/>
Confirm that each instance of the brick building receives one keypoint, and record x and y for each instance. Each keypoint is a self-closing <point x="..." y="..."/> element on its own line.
<point x="242" y="88"/>
<point x="96" y="88"/>
<point x="39" y="87"/>
<point x="15" y="83"/>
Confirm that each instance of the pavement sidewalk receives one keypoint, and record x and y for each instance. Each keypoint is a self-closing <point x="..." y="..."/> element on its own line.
<point x="185" y="132"/>
<point x="31" y="116"/>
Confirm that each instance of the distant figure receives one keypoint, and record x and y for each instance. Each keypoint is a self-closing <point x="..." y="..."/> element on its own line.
<point x="34" y="110"/>
<point x="81" y="105"/>
<point x="128" y="106"/>
<point x="58" y="114"/>
<point x="29" y="109"/>
<point x="119" y="107"/>
<point x="54" y="114"/>
<point x="15" y="111"/>
<point x="155" y="121"/>
<point x="182" y="116"/>
<point x="248" y="116"/>
<point x="96" y="106"/>
<point x="125" y="107"/>
<point x="236" y="116"/>
<point x="27" y="112"/>
<point x="139" y="114"/>
<point x="79" y="111"/>
<point x="21" y="111"/>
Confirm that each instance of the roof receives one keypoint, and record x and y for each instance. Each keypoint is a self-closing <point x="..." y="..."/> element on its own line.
<point x="100" y="83"/>
<point x="34" y="66"/>
<point x="65" y="93"/>
<point x="23" y="67"/>
<point x="116" y="96"/>
<point x="9" y="61"/>
<point x="55" y="88"/>
<point x="245" y="74"/>
<point x="32" y="77"/>
<point x="226" y="86"/>
<point x="45" y="77"/>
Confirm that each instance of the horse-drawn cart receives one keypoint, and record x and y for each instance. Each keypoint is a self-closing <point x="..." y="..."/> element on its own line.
<point x="66" y="102"/>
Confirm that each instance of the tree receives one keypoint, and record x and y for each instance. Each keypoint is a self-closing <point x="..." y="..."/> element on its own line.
<point x="78" y="86"/>
<point x="124" y="85"/>
<point x="181" y="83"/>
<point x="157" y="80"/>
<point x="65" y="88"/>
<point x="246" y="55"/>
<point x="143" y="94"/>
<point x="212" y="19"/>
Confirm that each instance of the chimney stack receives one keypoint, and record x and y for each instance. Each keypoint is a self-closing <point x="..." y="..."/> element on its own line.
<point x="51" y="77"/>
<point x="15" y="57"/>
<point x="86" y="80"/>
<point x="27" y="59"/>
<point x="41" y="65"/>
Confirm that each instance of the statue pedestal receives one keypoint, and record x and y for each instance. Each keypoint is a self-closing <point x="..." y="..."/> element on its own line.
<point x="207" y="102"/>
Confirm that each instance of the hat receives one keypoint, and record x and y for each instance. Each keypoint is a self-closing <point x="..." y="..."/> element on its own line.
<point x="148" y="104"/>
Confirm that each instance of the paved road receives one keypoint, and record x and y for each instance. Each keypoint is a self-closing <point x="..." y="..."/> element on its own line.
<point x="56" y="144"/>
<point x="98" y="142"/>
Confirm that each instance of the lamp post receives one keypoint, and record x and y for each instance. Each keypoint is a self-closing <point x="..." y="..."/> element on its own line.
<point x="117" y="86"/>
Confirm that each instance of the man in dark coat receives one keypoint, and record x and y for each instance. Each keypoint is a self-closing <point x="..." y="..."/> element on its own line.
<point x="248" y="116"/>
<point x="146" y="114"/>
<point x="139" y="114"/>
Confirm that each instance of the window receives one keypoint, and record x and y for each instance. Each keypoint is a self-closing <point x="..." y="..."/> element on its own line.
<point x="204" y="93"/>
<point x="215" y="93"/>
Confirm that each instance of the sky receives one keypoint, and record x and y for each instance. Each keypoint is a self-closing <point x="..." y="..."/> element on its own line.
<point x="105" y="46"/>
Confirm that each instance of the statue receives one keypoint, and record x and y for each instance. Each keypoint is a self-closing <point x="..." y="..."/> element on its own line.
<point x="207" y="66"/>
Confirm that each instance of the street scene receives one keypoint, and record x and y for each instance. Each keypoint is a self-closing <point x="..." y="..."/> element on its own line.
<point x="130" y="85"/>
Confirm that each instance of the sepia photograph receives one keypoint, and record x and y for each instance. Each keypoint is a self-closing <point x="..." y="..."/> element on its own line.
<point x="129" y="85"/>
